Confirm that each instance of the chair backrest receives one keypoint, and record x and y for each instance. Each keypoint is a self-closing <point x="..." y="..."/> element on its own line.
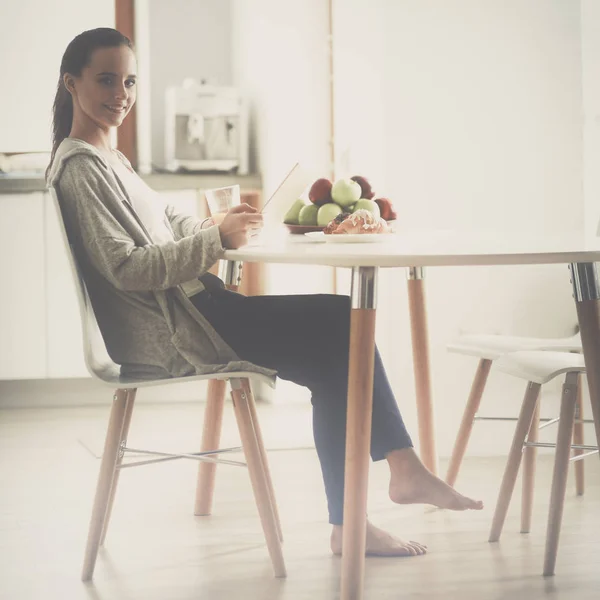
<point x="96" y="357"/>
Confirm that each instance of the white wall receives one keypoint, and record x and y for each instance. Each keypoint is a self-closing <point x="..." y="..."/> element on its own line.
<point x="590" y="43"/>
<point x="33" y="37"/>
<point x="280" y="54"/>
<point x="470" y="115"/>
<point x="187" y="38"/>
<point x="361" y="129"/>
<point x="281" y="62"/>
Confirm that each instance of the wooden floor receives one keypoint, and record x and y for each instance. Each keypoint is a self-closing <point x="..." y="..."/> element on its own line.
<point x="156" y="549"/>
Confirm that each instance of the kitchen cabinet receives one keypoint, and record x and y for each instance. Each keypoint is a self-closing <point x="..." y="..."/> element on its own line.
<point x="23" y="298"/>
<point x="63" y="324"/>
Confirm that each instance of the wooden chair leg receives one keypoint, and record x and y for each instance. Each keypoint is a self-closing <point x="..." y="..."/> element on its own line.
<point x="466" y="425"/>
<point x="211" y="436"/>
<point x="561" y="470"/>
<point x="529" y="463"/>
<point x="108" y="468"/>
<point x="578" y="439"/>
<point x="263" y="455"/>
<point x="115" y="482"/>
<point x="514" y="459"/>
<point x="257" y="475"/>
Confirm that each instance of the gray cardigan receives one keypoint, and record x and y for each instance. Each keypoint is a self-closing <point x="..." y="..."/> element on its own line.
<point x="149" y="325"/>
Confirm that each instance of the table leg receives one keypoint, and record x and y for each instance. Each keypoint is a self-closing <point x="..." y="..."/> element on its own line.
<point x="578" y="438"/>
<point x="586" y="290"/>
<point x="358" y="430"/>
<point x="254" y="272"/>
<point x="422" y="368"/>
<point x="230" y="271"/>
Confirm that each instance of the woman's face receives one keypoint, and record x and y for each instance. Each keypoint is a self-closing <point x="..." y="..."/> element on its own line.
<point x="106" y="89"/>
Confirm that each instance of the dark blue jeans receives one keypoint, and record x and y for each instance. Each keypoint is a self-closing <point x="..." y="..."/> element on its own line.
<point x="306" y="340"/>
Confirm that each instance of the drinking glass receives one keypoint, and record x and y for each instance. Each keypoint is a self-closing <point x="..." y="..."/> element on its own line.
<point x="221" y="200"/>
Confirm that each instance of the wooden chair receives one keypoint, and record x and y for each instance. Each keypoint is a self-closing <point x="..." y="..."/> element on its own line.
<point x="489" y="348"/>
<point x="538" y="368"/>
<point x="103" y="370"/>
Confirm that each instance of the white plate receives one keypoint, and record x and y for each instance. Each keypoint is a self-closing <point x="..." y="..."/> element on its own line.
<point x="348" y="238"/>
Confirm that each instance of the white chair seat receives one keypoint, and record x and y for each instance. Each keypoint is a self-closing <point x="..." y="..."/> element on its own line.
<point x="109" y="374"/>
<point x="540" y="366"/>
<point x="492" y="347"/>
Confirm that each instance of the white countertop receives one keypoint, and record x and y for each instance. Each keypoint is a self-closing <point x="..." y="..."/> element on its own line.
<point x="18" y="183"/>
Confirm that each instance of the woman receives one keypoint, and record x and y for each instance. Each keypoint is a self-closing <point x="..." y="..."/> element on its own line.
<point x="161" y="313"/>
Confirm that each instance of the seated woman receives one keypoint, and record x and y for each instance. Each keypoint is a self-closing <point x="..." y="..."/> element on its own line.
<point x="161" y="312"/>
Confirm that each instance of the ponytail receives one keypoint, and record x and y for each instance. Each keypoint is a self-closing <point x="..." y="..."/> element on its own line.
<point x="62" y="119"/>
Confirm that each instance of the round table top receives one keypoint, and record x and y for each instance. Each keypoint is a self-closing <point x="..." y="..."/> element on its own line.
<point x="423" y="249"/>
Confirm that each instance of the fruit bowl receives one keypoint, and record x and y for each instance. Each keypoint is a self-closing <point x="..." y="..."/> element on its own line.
<point x="329" y="200"/>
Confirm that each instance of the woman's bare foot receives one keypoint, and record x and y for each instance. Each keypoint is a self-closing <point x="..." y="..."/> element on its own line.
<point x="379" y="543"/>
<point x="412" y="483"/>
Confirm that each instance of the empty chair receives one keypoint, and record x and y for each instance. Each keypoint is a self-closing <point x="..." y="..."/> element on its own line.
<point x="538" y="368"/>
<point x="488" y="348"/>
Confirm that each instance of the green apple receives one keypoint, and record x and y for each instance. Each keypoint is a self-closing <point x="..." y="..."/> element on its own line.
<point x="345" y="192"/>
<point x="327" y="213"/>
<point x="292" y="215"/>
<point x="308" y="214"/>
<point x="367" y="205"/>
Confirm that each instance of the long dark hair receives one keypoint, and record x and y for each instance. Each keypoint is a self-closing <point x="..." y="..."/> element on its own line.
<point x="77" y="56"/>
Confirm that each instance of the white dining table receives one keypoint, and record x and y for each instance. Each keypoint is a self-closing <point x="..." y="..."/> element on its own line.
<point x="414" y="251"/>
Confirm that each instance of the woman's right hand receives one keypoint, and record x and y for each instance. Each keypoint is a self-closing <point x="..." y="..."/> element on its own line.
<point x="238" y="224"/>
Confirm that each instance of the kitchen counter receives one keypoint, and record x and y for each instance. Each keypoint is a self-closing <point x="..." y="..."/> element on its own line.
<point x="15" y="184"/>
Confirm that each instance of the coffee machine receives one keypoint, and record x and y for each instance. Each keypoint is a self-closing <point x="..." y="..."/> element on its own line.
<point x="206" y="128"/>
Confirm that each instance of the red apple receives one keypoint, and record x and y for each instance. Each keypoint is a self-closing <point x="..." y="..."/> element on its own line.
<point x="366" y="191"/>
<point x="320" y="192"/>
<point x="386" y="209"/>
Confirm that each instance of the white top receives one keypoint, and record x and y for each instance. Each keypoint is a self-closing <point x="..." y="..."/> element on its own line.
<point x="145" y="201"/>
<point x="425" y="249"/>
<point x="149" y="207"/>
